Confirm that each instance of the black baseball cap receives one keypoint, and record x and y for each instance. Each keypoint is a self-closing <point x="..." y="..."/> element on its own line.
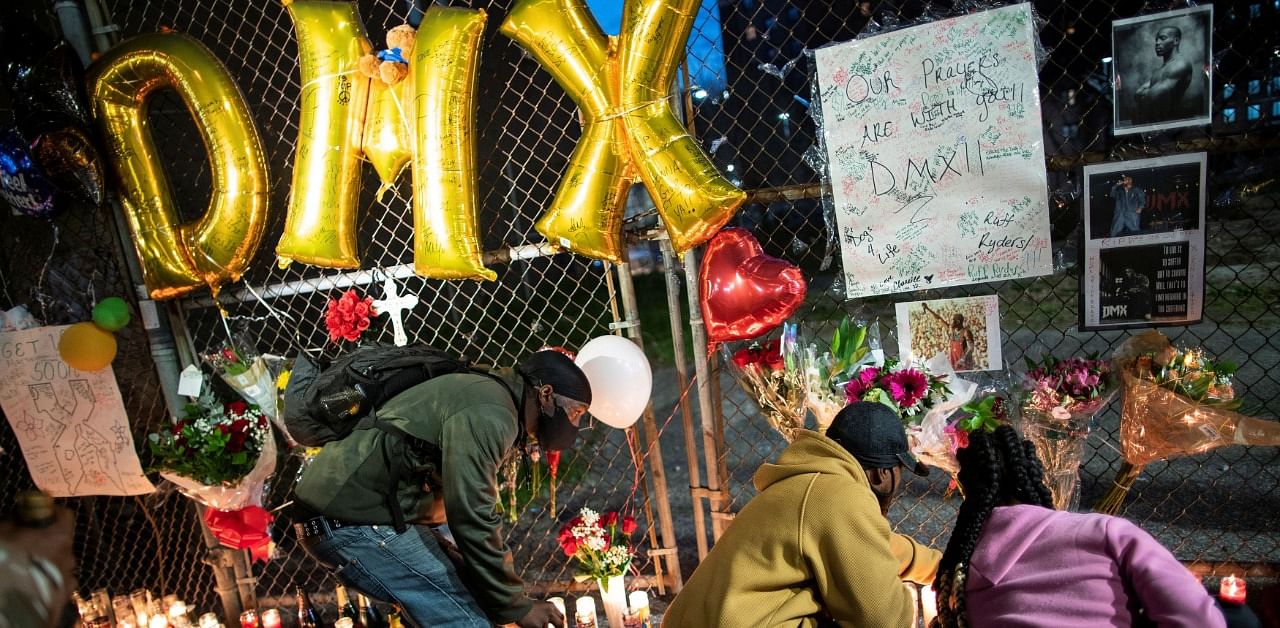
<point x="873" y="434"/>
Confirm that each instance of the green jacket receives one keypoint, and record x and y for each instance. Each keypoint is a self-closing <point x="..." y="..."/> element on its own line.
<point x="473" y="421"/>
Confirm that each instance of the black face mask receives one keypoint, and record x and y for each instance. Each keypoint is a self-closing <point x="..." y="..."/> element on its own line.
<point x="555" y="432"/>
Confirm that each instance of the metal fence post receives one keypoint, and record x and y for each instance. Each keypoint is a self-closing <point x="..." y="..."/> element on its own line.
<point x="674" y="309"/>
<point x="706" y="405"/>
<point x="656" y="469"/>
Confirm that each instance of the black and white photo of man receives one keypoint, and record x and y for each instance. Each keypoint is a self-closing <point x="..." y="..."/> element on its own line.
<point x="1162" y="70"/>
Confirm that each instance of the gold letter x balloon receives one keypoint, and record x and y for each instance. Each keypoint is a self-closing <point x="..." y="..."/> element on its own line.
<point x="621" y="86"/>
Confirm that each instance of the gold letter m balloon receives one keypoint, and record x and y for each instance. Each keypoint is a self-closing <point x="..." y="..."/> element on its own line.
<point x="425" y="120"/>
<point x="178" y="258"/>
<point x="622" y="88"/>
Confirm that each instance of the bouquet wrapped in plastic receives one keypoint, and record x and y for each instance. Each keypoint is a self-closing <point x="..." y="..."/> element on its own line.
<point x="1060" y="399"/>
<point x="826" y="370"/>
<point x="924" y="396"/>
<point x="219" y="454"/>
<point x="932" y="434"/>
<point x="767" y="371"/>
<point x="247" y="375"/>
<point x="1175" y="403"/>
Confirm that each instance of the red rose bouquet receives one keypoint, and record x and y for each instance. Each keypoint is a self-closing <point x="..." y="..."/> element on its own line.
<point x="219" y="454"/>
<point x="769" y="374"/>
<point x="599" y="542"/>
<point x="348" y="316"/>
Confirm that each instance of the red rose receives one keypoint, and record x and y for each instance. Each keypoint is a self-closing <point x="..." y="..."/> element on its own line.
<point x="609" y="519"/>
<point x="240" y="426"/>
<point x="177" y="427"/>
<point x="224" y="429"/>
<point x="570" y="547"/>
<point x="236" y="444"/>
<point x="628" y="525"/>
<point x="237" y="408"/>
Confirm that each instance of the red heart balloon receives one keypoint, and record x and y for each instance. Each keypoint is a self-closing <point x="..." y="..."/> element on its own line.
<point x="745" y="293"/>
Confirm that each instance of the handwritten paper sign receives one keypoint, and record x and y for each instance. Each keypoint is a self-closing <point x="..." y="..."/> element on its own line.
<point x="933" y="141"/>
<point x="71" y="425"/>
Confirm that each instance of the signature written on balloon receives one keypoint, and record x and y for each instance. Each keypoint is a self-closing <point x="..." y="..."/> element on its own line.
<point x="620" y="84"/>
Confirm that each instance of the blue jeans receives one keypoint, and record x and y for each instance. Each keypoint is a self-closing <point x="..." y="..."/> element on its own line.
<point x="409" y="569"/>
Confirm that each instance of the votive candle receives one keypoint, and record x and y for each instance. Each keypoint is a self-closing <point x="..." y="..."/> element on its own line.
<point x="639" y="602"/>
<point x="558" y="602"/>
<point x="249" y="619"/>
<point x="586" y="612"/>
<point x="271" y="618"/>
<point x="928" y="604"/>
<point x="344" y="622"/>
<point x="209" y="620"/>
<point x="1231" y="589"/>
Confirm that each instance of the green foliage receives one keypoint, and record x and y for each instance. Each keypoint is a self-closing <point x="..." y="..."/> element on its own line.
<point x="985" y="414"/>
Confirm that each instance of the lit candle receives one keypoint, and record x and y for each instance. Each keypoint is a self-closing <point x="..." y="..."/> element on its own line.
<point x="271" y="618"/>
<point x="639" y="602"/>
<point x="1231" y="589"/>
<point x="928" y="604"/>
<point x="344" y="622"/>
<point x="209" y="620"/>
<point x="249" y="619"/>
<point x="557" y="602"/>
<point x="159" y="621"/>
<point x="585" y="617"/>
<point x="178" y="608"/>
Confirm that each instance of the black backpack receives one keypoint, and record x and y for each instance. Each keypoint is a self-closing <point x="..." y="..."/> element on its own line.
<point x="321" y="406"/>
<point x="327" y="405"/>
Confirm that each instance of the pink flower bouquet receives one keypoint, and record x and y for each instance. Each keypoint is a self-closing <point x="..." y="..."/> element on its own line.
<point x="1059" y="401"/>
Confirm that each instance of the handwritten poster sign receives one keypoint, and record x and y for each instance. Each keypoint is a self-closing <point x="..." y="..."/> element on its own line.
<point x="71" y="425"/>
<point x="933" y="141"/>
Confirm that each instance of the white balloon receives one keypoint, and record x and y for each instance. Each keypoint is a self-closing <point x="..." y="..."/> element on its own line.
<point x="621" y="379"/>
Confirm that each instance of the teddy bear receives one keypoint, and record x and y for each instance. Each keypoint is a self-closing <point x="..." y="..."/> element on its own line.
<point x="390" y="65"/>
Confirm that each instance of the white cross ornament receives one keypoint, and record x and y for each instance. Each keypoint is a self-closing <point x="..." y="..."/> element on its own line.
<point x="394" y="306"/>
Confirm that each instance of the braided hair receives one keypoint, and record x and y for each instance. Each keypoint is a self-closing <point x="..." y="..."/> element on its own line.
<point x="996" y="468"/>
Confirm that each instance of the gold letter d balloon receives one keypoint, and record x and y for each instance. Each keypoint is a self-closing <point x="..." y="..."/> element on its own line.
<point x="178" y="258"/>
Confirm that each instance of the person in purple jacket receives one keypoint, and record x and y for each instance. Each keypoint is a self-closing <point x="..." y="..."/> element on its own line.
<point x="1013" y="561"/>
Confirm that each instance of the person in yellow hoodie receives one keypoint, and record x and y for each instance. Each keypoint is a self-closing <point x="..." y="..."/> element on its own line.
<point x="814" y="545"/>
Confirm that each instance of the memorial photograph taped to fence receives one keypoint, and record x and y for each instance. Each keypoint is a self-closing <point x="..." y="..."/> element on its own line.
<point x="1163" y="70"/>
<point x="1144" y="242"/>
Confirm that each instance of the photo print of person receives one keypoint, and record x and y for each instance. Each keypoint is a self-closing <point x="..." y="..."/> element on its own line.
<point x="965" y="330"/>
<point x="1162" y="70"/>
<point x="1143" y="248"/>
<point x="1139" y="201"/>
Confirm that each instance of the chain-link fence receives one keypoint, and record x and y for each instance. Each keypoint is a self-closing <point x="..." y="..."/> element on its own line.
<point x="745" y="94"/>
<point x="754" y="114"/>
